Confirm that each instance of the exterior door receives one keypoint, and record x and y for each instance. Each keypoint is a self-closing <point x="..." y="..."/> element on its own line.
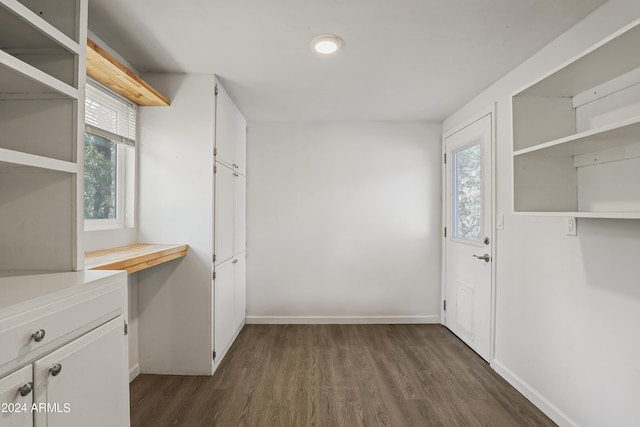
<point x="468" y="242"/>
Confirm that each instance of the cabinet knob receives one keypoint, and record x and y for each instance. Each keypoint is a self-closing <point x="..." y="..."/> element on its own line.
<point x="26" y="389"/>
<point x="55" y="369"/>
<point x="235" y="261"/>
<point x="38" y="335"/>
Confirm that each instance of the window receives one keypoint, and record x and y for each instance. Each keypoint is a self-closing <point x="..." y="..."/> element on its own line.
<point x="109" y="159"/>
<point x="467" y="190"/>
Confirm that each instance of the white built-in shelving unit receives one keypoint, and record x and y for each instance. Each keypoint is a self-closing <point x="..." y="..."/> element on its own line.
<point x="42" y="78"/>
<point x="576" y="135"/>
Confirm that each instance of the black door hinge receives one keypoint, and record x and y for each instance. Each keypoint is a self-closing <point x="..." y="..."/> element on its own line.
<point x="215" y="91"/>
<point x="126" y="328"/>
<point x="215" y="151"/>
<point x="445" y="158"/>
<point x="214" y="355"/>
<point x="214" y="257"/>
<point x="445" y="305"/>
<point x="215" y="169"/>
<point x="214" y="275"/>
<point x="445" y="232"/>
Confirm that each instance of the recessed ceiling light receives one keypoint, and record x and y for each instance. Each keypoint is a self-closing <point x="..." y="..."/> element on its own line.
<point x="326" y="44"/>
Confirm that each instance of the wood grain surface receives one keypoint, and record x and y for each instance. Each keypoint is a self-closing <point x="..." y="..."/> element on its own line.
<point x="134" y="257"/>
<point x="112" y="73"/>
<point x="338" y="375"/>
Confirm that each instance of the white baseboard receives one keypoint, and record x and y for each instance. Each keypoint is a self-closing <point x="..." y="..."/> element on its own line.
<point x="342" y="320"/>
<point x="534" y="396"/>
<point x="134" y="372"/>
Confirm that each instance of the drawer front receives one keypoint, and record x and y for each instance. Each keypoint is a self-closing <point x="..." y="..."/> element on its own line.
<point x="34" y="332"/>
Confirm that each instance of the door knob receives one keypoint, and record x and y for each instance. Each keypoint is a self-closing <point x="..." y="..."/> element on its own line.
<point x="26" y="389"/>
<point x="55" y="369"/>
<point x="38" y="335"/>
<point x="485" y="257"/>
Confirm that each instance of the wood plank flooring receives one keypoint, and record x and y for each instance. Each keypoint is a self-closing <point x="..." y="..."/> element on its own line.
<point x="337" y="375"/>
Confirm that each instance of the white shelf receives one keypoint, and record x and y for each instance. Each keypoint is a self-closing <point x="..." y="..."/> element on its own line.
<point x="609" y="215"/>
<point x="611" y="136"/>
<point x="612" y="57"/>
<point x="22" y="17"/>
<point x="17" y="158"/>
<point x="36" y="81"/>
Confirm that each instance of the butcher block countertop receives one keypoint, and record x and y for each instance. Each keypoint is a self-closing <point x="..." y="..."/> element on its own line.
<point x="134" y="257"/>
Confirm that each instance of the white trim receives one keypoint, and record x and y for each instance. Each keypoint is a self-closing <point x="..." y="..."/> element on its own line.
<point x="134" y="372"/>
<point x="342" y="320"/>
<point x="533" y="395"/>
<point x="489" y="110"/>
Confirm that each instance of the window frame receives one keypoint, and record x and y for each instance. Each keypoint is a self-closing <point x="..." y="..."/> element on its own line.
<point x="125" y="173"/>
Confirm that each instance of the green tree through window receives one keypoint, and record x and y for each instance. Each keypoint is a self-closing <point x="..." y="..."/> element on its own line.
<point x="99" y="177"/>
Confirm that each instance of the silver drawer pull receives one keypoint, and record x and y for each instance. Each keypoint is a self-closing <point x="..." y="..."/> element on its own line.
<point x="55" y="369"/>
<point x="26" y="389"/>
<point x="38" y="336"/>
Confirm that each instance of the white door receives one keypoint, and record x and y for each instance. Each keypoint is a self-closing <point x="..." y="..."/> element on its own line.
<point x="468" y="242"/>
<point x="239" y="214"/>
<point x="16" y="398"/>
<point x="240" y="285"/>
<point x="223" y="213"/>
<point x="226" y="132"/>
<point x="85" y="383"/>
<point x="224" y="306"/>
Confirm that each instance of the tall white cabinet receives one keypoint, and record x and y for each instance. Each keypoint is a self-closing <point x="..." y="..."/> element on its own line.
<point x="192" y="179"/>
<point x="42" y="78"/>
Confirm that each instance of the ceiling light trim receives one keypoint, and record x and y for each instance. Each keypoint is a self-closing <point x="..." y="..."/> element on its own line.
<point x="327" y="44"/>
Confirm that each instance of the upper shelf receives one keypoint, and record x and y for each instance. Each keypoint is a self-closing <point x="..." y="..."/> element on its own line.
<point x="112" y="73"/>
<point x="613" y="57"/>
<point x="17" y="158"/>
<point x="616" y="135"/>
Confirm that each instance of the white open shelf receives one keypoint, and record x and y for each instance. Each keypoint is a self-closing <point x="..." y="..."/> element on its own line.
<point x="17" y="77"/>
<point x="22" y="28"/>
<point x="576" y="135"/>
<point x="17" y="158"/>
<point x="615" y="135"/>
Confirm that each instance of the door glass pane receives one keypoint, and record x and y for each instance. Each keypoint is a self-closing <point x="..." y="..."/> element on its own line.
<point x="467" y="192"/>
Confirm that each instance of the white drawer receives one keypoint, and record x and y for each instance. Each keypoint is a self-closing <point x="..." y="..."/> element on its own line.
<point x="60" y="320"/>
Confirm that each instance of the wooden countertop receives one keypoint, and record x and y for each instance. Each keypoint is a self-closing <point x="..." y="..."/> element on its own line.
<point x="134" y="257"/>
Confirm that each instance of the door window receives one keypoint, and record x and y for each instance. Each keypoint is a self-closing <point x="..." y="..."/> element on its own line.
<point x="467" y="192"/>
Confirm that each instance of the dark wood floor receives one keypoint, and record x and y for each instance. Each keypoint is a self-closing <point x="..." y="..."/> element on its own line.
<point x="337" y="375"/>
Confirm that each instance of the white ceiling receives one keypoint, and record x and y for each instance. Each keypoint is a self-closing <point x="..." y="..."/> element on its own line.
<point x="402" y="59"/>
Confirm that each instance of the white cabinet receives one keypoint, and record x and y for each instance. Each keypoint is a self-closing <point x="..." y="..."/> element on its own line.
<point x="187" y="314"/>
<point x="82" y="382"/>
<point x="231" y="301"/>
<point x="576" y="135"/>
<point x="231" y="133"/>
<point x="64" y="358"/>
<point x="240" y="290"/>
<point x="16" y="398"/>
<point x="42" y="78"/>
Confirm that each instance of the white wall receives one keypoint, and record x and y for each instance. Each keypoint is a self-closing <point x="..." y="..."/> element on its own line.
<point x="568" y="308"/>
<point x="343" y="222"/>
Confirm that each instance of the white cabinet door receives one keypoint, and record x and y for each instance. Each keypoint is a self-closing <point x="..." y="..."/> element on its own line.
<point x="239" y="215"/>
<point x="241" y="144"/>
<point x="240" y="285"/>
<point x="225" y="128"/>
<point x="224" y="306"/>
<point x="224" y="213"/>
<point x="16" y="398"/>
<point x="85" y="383"/>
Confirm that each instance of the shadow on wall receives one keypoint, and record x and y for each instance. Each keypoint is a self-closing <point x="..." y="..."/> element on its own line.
<point x="611" y="253"/>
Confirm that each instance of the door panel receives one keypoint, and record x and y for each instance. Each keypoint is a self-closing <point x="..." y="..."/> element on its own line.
<point x="241" y="143"/>
<point x="224" y="217"/>
<point x="468" y="245"/>
<point x="225" y="128"/>
<point x="17" y="412"/>
<point x="224" y="306"/>
<point x="240" y="215"/>
<point x="91" y="373"/>
<point x="240" y="285"/>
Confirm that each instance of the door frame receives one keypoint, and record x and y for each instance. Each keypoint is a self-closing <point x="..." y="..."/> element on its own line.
<point x="491" y="111"/>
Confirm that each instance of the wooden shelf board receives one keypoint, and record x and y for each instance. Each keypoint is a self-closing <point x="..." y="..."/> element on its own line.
<point x="611" y="136"/>
<point x="112" y="73"/>
<point x="134" y="257"/>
